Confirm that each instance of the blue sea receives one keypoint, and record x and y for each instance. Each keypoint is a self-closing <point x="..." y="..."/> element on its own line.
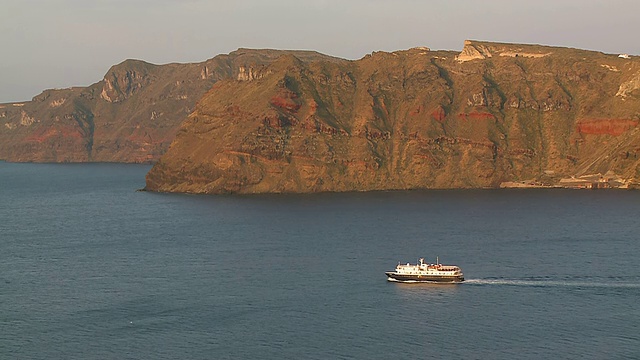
<point x="90" y="268"/>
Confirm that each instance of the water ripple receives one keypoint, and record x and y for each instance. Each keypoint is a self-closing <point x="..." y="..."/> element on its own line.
<point x="552" y="283"/>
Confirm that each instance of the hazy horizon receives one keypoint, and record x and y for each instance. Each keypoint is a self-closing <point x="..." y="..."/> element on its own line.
<point x="64" y="43"/>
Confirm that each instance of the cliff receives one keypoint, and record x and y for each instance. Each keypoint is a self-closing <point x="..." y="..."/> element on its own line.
<point x="411" y="119"/>
<point x="131" y="115"/>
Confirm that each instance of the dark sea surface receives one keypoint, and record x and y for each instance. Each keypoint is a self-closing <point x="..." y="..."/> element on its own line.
<point x="92" y="269"/>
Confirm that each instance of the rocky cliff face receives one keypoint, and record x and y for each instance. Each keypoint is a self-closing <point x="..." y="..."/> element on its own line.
<point x="131" y="115"/>
<point x="411" y="119"/>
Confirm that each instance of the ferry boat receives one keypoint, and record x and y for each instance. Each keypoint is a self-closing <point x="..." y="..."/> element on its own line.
<point x="425" y="272"/>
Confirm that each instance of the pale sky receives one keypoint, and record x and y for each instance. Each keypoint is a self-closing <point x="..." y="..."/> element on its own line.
<point x="60" y="43"/>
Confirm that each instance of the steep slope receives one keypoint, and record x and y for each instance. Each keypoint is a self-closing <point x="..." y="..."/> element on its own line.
<point x="131" y="115"/>
<point x="411" y="119"/>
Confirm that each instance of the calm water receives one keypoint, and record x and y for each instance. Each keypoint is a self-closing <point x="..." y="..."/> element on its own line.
<point x="92" y="269"/>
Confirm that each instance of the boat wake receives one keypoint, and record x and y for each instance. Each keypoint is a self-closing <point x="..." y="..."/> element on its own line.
<point x="553" y="283"/>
